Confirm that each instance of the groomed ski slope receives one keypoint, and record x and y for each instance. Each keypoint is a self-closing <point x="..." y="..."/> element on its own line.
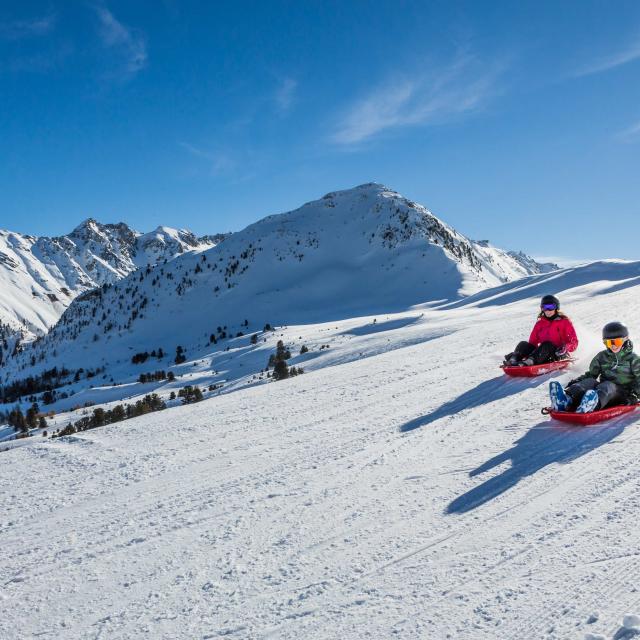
<point x="415" y="493"/>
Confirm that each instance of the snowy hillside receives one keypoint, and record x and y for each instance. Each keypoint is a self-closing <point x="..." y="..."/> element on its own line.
<point x="361" y="251"/>
<point x="531" y="265"/>
<point x="39" y="277"/>
<point x="402" y="487"/>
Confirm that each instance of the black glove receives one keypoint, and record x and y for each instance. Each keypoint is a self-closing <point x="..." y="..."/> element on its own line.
<point x="561" y="352"/>
<point x="632" y="398"/>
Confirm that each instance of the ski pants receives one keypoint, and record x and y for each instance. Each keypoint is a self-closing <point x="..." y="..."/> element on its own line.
<point x="609" y="393"/>
<point x="544" y="352"/>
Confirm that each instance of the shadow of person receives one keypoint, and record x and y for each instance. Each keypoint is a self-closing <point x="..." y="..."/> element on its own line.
<point x="542" y="445"/>
<point x="487" y="391"/>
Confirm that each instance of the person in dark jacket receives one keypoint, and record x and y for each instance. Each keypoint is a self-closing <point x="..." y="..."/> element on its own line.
<point x="613" y="377"/>
<point x="553" y="337"/>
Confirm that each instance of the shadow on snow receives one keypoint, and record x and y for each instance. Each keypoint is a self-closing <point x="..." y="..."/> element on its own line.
<point x="544" y="444"/>
<point x="487" y="391"/>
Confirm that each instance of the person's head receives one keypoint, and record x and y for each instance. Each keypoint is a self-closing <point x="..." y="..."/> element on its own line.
<point x="549" y="306"/>
<point x="615" y="336"/>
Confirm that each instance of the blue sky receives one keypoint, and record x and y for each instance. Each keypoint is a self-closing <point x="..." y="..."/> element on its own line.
<point x="513" y="121"/>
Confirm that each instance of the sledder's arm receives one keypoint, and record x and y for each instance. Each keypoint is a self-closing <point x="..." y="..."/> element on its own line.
<point x="595" y="369"/>
<point x="569" y="336"/>
<point x="634" y="388"/>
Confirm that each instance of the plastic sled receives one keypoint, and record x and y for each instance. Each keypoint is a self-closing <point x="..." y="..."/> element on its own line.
<point x="536" y="369"/>
<point x="590" y="418"/>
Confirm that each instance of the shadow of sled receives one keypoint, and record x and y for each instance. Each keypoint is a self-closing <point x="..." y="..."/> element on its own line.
<point x="487" y="391"/>
<point x="542" y="445"/>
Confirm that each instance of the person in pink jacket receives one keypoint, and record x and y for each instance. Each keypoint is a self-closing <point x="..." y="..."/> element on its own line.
<point x="553" y="337"/>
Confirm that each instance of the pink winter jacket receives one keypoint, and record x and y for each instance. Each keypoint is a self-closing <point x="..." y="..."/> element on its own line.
<point x="558" y="330"/>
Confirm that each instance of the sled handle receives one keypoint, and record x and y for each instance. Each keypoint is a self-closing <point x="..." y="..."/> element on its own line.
<point x="545" y="411"/>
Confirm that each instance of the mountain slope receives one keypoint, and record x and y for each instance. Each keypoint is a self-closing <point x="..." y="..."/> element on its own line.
<point x="403" y="488"/>
<point x="355" y="252"/>
<point x="39" y="277"/>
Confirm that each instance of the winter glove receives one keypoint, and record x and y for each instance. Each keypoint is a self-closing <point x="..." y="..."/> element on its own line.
<point x="561" y="352"/>
<point x="633" y="398"/>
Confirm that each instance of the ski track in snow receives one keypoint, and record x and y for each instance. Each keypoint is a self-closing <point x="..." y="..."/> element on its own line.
<point x="404" y="494"/>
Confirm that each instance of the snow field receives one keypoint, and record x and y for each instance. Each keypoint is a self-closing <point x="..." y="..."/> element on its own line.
<point x="401" y="487"/>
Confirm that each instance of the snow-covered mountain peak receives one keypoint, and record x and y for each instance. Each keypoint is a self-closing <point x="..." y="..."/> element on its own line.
<point x="39" y="277"/>
<point x="362" y="251"/>
<point x="166" y="239"/>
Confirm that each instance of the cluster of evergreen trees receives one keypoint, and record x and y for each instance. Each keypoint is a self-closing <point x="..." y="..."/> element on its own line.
<point x="156" y="376"/>
<point x="102" y="417"/>
<point x="24" y="423"/>
<point x="47" y="380"/>
<point x="140" y="358"/>
<point x="190" y="394"/>
<point x="278" y="361"/>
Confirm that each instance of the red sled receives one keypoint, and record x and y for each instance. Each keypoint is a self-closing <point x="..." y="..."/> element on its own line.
<point x="593" y="417"/>
<point x="536" y="369"/>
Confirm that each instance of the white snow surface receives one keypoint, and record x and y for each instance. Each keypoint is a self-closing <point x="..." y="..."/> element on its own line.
<point x="39" y="277"/>
<point x="401" y="487"/>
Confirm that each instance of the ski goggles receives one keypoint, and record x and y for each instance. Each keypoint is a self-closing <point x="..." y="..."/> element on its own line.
<point x="548" y="307"/>
<point x="614" y="342"/>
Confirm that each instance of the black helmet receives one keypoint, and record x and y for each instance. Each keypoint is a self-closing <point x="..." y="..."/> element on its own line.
<point x="550" y="300"/>
<point x="614" y="330"/>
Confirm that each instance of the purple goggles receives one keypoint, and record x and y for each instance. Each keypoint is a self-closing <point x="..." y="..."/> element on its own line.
<point x="549" y="307"/>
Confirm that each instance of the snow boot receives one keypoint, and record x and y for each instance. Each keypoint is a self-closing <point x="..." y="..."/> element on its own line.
<point x="560" y="401"/>
<point x="589" y="402"/>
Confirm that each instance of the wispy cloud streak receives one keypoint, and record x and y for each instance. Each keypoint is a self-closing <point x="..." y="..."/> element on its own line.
<point x="625" y="56"/>
<point x="285" y="95"/>
<point x="218" y="162"/>
<point x="129" y="44"/>
<point x="632" y="134"/>
<point x="430" y="97"/>
<point x="20" y="29"/>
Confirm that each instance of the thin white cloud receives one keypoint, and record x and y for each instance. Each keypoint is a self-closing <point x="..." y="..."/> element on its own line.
<point x="218" y="163"/>
<point x="430" y="97"/>
<point x="630" y="53"/>
<point x="129" y="44"/>
<point x="632" y="134"/>
<point x="20" y="29"/>
<point x="285" y="95"/>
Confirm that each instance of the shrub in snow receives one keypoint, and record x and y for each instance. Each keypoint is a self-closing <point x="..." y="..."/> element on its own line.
<point x="280" y="370"/>
<point x="190" y="394"/>
<point x="282" y="353"/>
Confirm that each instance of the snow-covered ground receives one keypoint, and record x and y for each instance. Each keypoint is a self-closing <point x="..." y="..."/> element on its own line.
<point x="401" y="487"/>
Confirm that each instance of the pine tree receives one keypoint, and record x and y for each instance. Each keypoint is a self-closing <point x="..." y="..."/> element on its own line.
<point x="280" y="370"/>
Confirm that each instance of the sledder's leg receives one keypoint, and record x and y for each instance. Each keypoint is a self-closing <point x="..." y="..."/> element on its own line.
<point x="544" y="352"/>
<point x="560" y="401"/>
<point x="610" y="393"/>
<point x="577" y="390"/>
<point x="522" y="350"/>
<point x="589" y="402"/>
